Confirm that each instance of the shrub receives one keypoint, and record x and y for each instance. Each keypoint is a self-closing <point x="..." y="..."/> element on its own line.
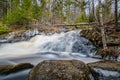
<point x="81" y="18"/>
<point x="3" y="29"/>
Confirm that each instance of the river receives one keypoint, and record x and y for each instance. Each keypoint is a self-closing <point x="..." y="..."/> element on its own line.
<point x="64" y="45"/>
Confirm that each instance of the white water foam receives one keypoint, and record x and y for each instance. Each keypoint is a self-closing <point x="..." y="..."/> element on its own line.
<point x="63" y="44"/>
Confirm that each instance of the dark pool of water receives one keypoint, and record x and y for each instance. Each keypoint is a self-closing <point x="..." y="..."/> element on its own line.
<point x="22" y="75"/>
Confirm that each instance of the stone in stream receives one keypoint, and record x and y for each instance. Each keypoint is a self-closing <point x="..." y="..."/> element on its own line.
<point x="60" y="70"/>
<point x="106" y="65"/>
<point x="8" y="69"/>
<point x="108" y="70"/>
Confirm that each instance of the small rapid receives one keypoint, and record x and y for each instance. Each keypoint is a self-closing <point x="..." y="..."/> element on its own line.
<point x="67" y="44"/>
<point x="57" y="46"/>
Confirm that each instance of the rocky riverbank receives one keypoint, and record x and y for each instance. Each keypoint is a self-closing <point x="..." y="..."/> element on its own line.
<point x="66" y="70"/>
<point x="107" y="70"/>
<point x="75" y="70"/>
<point x="113" y="42"/>
<point x="113" y="39"/>
<point x="18" y="34"/>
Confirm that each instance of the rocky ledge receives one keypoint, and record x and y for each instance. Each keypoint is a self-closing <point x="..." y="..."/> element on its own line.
<point x="60" y="70"/>
<point x="94" y="35"/>
<point x="8" y="69"/>
<point x="16" y="36"/>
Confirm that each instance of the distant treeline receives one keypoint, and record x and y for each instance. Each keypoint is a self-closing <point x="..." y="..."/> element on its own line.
<point x="56" y="11"/>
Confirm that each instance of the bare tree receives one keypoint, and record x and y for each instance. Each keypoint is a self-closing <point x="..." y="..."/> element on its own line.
<point x="102" y="26"/>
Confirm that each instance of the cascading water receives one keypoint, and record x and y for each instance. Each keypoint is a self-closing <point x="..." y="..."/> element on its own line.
<point x="62" y="44"/>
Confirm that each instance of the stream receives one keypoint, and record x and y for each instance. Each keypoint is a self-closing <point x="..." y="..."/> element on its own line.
<point x="64" y="45"/>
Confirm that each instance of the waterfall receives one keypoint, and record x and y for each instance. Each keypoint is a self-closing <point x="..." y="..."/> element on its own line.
<point x="64" y="43"/>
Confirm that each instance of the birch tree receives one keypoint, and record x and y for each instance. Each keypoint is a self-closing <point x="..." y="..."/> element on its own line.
<point x="102" y="26"/>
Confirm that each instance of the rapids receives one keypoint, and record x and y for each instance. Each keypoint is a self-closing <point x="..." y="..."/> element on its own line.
<point x="69" y="44"/>
<point x="64" y="45"/>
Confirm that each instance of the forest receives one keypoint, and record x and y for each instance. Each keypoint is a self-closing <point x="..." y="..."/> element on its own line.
<point x="56" y="11"/>
<point x="59" y="39"/>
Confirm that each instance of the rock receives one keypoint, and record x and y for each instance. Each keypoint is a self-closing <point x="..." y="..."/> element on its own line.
<point x="106" y="70"/>
<point x="8" y="69"/>
<point x="112" y="53"/>
<point x="106" y="65"/>
<point x="94" y="36"/>
<point x="60" y="70"/>
<point x="16" y="36"/>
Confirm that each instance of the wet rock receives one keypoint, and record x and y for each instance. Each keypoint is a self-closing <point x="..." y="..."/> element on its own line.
<point x="20" y="35"/>
<point x="107" y="70"/>
<point x="106" y="65"/>
<point x="8" y="69"/>
<point x="60" y="70"/>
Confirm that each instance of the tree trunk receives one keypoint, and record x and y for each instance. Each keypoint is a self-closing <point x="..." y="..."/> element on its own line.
<point x="116" y="14"/>
<point x="10" y="5"/>
<point x="89" y="14"/>
<point x="2" y="14"/>
<point x="102" y="26"/>
<point x="93" y="9"/>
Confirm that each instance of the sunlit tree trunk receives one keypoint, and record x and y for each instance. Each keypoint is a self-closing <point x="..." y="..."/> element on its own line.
<point x="89" y="13"/>
<point x="102" y="26"/>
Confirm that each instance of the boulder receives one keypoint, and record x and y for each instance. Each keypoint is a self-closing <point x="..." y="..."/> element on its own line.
<point x="60" y="70"/>
<point x="8" y="69"/>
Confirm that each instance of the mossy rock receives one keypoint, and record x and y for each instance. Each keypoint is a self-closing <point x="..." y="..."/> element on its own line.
<point x="8" y="69"/>
<point x="60" y="70"/>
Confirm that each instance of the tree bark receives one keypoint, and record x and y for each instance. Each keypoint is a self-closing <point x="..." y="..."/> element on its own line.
<point x="93" y="9"/>
<point x="116" y="14"/>
<point x="102" y="26"/>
